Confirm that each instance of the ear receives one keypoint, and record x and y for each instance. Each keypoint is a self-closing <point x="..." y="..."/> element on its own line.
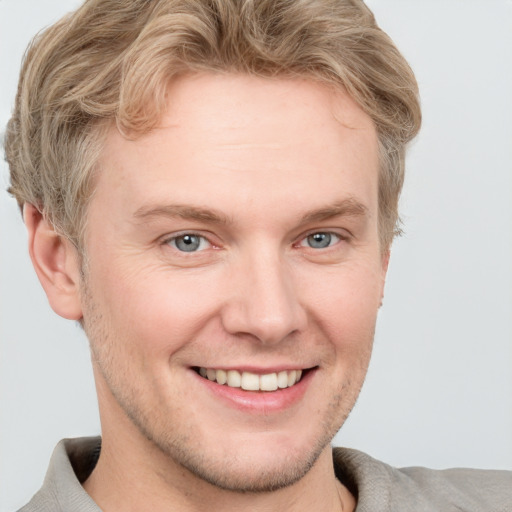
<point x="56" y="263"/>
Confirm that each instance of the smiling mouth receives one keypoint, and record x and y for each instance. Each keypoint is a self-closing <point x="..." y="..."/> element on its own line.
<point x="249" y="381"/>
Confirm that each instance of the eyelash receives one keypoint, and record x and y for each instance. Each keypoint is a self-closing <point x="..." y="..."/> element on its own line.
<point x="329" y="234"/>
<point x="172" y="240"/>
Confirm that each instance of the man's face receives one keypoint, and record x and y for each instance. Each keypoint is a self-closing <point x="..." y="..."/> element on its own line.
<point x="237" y="239"/>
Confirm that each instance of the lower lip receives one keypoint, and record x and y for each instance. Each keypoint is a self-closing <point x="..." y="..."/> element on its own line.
<point x="259" y="402"/>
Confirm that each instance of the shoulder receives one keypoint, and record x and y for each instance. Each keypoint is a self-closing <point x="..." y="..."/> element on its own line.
<point x="380" y="487"/>
<point x="70" y="464"/>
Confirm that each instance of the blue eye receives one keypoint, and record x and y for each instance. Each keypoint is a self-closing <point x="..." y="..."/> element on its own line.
<point x="320" y="240"/>
<point x="189" y="242"/>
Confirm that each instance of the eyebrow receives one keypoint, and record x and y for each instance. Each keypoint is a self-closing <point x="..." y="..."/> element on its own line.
<point x="181" y="211"/>
<point x="349" y="207"/>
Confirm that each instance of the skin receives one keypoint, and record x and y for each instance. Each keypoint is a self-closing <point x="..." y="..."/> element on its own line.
<point x="253" y="167"/>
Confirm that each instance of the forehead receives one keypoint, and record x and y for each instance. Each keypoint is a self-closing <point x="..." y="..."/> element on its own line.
<point x="243" y="139"/>
<point x="196" y="96"/>
<point x="243" y="110"/>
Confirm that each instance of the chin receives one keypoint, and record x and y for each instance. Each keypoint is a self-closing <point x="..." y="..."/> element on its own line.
<point x="259" y="461"/>
<point x="247" y="468"/>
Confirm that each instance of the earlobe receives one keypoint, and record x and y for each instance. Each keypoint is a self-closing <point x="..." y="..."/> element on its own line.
<point x="56" y="263"/>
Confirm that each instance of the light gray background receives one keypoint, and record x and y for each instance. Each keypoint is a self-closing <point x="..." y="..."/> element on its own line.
<point x="439" y="390"/>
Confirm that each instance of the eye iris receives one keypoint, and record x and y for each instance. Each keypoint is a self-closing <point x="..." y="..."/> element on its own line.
<point x="319" y="240"/>
<point x="188" y="243"/>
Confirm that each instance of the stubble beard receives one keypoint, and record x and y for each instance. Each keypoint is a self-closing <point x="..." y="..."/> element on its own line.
<point x="228" y="473"/>
<point x="184" y="449"/>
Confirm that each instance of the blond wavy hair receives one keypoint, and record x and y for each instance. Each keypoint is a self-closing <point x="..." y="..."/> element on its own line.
<point x="111" y="62"/>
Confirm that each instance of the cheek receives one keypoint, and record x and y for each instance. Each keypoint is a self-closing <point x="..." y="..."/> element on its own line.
<point x="153" y="311"/>
<point x="347" y="299"/>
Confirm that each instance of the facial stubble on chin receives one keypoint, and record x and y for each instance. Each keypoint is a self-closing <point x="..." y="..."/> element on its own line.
<point x="184" y="450"/>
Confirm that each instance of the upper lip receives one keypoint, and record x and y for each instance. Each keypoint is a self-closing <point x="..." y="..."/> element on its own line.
<point x="258" y="369"/>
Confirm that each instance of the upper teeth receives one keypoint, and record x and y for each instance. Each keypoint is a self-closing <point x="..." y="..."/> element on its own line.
<point x="252" y="381"/>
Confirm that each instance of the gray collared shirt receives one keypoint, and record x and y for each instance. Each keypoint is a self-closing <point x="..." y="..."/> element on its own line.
<point x="377" y="486"/>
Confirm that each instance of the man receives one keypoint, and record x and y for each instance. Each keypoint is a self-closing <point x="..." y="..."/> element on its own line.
<point x="211" y="190"/>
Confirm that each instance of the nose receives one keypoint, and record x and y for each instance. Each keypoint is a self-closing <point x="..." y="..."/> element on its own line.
<point x="263" y="302"/>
